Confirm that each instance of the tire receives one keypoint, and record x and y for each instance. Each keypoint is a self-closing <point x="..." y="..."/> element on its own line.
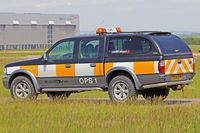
<point x="22" y="89"/>
<point x="58" y="95"/>
<point x="156" y="94"/>
<point x="121" y="89"/>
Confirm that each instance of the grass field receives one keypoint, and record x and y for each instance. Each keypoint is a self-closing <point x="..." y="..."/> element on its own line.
<point x="195" y="48"/>
<point x="96" y="116"/>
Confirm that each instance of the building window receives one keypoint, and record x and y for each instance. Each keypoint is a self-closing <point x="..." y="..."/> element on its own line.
<point x="51" y="22"/>
<point x="15" y="22"/>
<point x="50" y="34"/>
<point x="33" y="22"/>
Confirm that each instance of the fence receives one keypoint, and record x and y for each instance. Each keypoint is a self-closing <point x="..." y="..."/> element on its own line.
<point x="24" y="46"/>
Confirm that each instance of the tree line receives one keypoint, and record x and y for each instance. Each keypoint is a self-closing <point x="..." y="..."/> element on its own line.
<point x="192" y="40"/>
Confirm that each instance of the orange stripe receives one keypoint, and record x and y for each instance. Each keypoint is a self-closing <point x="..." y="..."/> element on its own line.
<point x="32" y="68"/>
<point x="108" y="66"/>
<point x="179" y="71"/>
<point x="173" y="67"/>
<point x="144" y="67"/>
<point x="98" y="70"/>
<point x="62" y="71"/>
<point x="184" y="65"/>
<point x="167" y="65"/>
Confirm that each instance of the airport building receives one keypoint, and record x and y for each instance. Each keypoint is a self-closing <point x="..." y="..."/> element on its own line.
<point x="31" y="31"/>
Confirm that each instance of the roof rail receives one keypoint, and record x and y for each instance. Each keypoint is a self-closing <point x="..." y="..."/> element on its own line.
<point x="160" y="33"/>
<point x="149" y="32"/>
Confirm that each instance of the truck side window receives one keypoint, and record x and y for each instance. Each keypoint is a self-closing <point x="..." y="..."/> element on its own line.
<point x="130" y="46"/>
<point x="63" y="51"/>
<point x="89" y="48"/>
<point x="141" y="46"/>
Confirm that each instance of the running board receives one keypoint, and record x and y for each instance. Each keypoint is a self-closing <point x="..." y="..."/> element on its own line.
<point x="68" y="89"/>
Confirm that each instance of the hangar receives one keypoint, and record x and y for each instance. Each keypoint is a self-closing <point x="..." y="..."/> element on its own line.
<point x="35" y="30"/>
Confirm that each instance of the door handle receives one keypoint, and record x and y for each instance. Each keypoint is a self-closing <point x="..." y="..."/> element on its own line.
<point x="92" y="65"/>
<point x="68" y="66"/>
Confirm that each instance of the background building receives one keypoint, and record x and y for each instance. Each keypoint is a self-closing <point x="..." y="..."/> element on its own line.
<point x="30" y="31"/>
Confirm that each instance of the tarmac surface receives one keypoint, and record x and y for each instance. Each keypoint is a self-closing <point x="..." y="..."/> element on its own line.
<point x="140" y="101"/>
<point x="168" y="101"/>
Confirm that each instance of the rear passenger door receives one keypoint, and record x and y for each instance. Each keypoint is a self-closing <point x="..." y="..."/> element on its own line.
<point x="89" y="70"/>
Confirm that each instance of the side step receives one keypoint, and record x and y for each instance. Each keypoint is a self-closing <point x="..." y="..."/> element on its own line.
<point x="68" y="89"/>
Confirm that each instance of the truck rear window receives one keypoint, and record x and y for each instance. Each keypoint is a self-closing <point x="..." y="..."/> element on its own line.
<point x="171" y="44"/>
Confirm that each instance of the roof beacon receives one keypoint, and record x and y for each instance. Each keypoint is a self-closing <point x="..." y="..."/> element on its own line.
<point x="101" y="31"/>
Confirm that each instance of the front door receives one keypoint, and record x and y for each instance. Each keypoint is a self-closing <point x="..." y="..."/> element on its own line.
<point x="59" y="69"/>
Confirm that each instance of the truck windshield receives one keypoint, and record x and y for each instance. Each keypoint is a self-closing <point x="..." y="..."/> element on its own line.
<point x="171" y="44"/>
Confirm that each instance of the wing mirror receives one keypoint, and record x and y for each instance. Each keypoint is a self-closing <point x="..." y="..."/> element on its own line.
<point x="45" y="57"/>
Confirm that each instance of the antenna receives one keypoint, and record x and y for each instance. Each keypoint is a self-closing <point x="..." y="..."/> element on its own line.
<point x="99" y="24"/>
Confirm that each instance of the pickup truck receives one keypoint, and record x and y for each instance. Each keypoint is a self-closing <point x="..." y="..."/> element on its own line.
<point x="126" y="64"/>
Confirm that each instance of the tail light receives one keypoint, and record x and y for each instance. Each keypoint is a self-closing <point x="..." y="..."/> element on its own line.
<point x="161" y="66"/>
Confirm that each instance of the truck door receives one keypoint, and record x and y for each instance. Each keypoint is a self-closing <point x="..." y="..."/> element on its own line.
<point x="89" y="70"/>
<point x="58" y="70"/>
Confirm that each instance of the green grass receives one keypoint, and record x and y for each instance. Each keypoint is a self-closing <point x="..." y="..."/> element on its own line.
<point x="21" y="53"/>
<point x="96" y="116"/>
<point x="192" y="40"/>
<point x="195" y="48"/>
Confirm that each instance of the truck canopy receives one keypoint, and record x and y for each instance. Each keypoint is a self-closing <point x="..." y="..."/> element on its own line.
<point x="171" y="44"/>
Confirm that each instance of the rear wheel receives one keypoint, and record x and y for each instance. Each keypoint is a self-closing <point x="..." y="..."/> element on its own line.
<point x="121" y="89"/>
<point x="22" y="89"/>
<point x="156" y="94"/>
<point x="58" y="95"/>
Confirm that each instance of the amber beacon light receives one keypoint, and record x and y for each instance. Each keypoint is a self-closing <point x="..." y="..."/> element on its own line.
<point x="101" y="31"/>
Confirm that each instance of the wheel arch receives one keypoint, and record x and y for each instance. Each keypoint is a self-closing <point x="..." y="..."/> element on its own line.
<point x="27" y="74"/>
<point x="122" y="71"/>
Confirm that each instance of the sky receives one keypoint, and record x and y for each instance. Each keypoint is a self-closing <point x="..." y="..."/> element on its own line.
<point x="131" y="15"/>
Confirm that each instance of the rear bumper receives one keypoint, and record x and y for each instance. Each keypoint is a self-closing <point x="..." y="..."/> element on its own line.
<point x="166" y="84"/>
<point x="5" y="81"/>
<point x="160" y="80"/>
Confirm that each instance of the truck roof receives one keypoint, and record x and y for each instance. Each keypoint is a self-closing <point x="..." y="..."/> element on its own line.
<point x="135" y="33"/>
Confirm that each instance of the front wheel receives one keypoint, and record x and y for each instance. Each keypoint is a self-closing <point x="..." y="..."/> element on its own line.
<point x="121" y="89"/>
<point x="22" y="89"/>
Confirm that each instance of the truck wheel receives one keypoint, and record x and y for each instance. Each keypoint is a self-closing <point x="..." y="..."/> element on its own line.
<point x="121" y="89"/>
<point x="58" y="95"/>
<point x="156" y="94"/>
<point x="22" y="89"/>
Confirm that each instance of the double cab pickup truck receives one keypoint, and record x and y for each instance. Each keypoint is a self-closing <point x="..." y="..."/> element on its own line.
<point x="126" y="64"/>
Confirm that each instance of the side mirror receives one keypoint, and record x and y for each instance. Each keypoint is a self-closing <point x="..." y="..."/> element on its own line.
<point x="45" y="57"/>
